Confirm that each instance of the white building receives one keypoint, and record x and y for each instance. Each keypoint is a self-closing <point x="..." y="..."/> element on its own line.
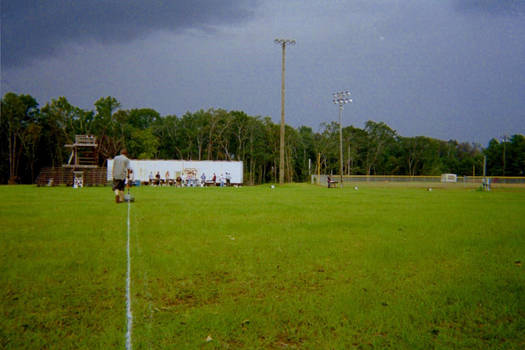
<point x="184" y="168"/>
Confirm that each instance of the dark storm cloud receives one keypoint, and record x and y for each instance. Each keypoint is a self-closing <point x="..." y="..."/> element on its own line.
<point x="33" y="28"/>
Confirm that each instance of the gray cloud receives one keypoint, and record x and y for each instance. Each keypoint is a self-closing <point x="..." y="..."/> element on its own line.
<point x="491" y="7"/>
<point x="33" y="29"/>
<point x="444" y="69"/>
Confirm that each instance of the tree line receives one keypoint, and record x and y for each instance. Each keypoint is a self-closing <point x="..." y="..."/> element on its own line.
<point x="33" y="138"/>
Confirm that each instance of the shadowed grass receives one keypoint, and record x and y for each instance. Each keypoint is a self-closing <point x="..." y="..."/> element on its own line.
<point x="295" y="267"/>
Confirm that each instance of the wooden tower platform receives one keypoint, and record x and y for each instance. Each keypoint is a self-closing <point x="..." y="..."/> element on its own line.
<point x="81" y="168"/>
<point x="83" y="152"/>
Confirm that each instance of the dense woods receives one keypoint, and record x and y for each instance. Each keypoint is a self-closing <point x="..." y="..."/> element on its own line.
<point x="33" y="137"/>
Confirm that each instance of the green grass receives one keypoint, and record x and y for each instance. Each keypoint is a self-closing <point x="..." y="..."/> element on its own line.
<point x="298" y="266"/>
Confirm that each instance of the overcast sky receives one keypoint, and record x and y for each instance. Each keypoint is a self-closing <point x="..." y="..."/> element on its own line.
<point x="448" y="69"/>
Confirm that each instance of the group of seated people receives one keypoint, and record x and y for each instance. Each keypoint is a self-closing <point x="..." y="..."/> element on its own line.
<point x="188" y="180"/>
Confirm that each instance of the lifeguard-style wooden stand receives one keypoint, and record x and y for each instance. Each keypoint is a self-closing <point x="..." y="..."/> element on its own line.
<point x="81" y="169"/>
<point x="82" y="157"/>
<point x="83" y="152"/>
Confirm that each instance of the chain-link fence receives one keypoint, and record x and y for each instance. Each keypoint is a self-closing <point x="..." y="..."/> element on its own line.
<point x="494" y="180"/>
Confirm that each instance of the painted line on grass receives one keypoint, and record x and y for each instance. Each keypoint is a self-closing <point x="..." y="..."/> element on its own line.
<point x="138" y="259"/>
<point x="128" y="291"/>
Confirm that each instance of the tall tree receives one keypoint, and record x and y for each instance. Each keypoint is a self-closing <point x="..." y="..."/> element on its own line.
<point x="58" y="122"/>
<point x="413" y="153"/>
<point x="167" y="132"/>
<point x="108" y="131"/>
<point x="30" y="139"/>
<point x="216" y="118"/>
<point x="516" y="163"/>
<point x="380" y="137"/>
<point x="326" y="143"/>
<point x="354" y="142"/>
<point x="305" y="153"/>
<point x="17" y="113"/>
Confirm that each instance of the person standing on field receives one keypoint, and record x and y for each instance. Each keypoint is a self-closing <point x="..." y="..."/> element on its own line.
<point x="120" y="172"/>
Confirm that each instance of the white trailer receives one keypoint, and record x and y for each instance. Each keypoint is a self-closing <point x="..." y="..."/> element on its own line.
<point x="184" y="168"/>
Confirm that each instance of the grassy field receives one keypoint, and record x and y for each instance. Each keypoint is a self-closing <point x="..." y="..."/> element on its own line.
<point x="296" y="267"/>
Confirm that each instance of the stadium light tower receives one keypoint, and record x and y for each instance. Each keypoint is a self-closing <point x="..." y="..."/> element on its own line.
<point x="341" y="98"/>
<point x="505" y="138"/>
<point x="282" y="43"/>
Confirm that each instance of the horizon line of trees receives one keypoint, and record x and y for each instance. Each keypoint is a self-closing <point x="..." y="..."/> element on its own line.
<point x="33" y="138"/>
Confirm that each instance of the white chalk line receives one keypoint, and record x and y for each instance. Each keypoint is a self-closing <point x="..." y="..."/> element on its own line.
<point x="145" y="287"/>
<point x="128" y="291"/>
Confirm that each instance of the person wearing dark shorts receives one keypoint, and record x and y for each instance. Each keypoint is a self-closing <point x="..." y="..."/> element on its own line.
<point x="120" y="172"/>
<point x="119" y="185"/>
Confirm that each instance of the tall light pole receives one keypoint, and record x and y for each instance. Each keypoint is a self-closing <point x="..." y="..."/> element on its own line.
<point x="282" y="43"/>
<point x="505" y="138"/>
<point x="341" y="98"/>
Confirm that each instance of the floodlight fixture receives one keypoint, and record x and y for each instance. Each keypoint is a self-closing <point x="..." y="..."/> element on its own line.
<point x="342" y="98"/>
<point x="284" y="41"/>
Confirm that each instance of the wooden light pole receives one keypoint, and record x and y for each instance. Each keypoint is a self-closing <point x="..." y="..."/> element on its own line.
<point x="282" y="43"/>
